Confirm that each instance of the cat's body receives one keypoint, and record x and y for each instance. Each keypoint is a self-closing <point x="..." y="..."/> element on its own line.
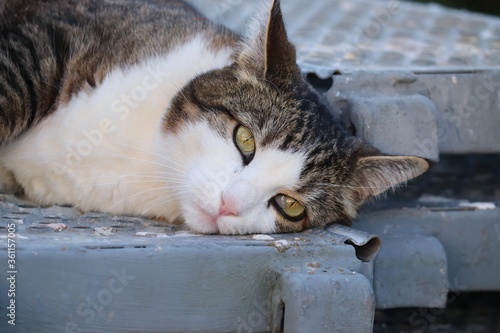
<point x="147" y="108"/>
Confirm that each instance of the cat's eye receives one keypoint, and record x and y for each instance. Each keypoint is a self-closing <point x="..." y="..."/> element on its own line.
<point x="244" y="141"/>
<point x="289" y="207"/>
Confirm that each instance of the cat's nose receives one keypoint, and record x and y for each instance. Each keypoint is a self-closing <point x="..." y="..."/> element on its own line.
<point x="237" y="198"/>
<point x="228" y="207"/>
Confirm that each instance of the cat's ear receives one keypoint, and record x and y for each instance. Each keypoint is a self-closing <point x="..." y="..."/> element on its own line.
<point x="266" y="50"/>
<point x="376" y="174"/>
<point x="280" y="55"/>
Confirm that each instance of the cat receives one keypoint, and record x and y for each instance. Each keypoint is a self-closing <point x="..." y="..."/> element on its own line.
<point x="147" y="108"/>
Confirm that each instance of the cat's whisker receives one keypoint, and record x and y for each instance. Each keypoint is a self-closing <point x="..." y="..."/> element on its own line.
<point x="367" y="187"/>
<point x="180" y="92"/>
<point x="149" y="152"/>
<point x="166" y="199"/>
<point x="139" y="193"/>
<point x="132" y="182"/>
<point x="141" y="160"/>
<point x="130" y="177"/>
<point x="274" y="85"/>
<point x="306" y="100"/>
<point x="163" y="202"/>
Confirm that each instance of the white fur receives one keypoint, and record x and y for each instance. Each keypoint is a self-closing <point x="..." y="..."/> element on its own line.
<point x="96" y="151"/>
<point x="105" y="151"/>
<point x="214" y="169"/>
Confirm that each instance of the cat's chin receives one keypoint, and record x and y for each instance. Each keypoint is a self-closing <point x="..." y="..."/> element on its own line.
<point x="208" y="224"/>
<point x="205" y="223"/>
<point x="224" y="225"/>
<point x="201" y="222"/>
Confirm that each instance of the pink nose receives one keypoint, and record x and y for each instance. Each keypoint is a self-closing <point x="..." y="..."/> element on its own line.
<point x="228" y="207"/>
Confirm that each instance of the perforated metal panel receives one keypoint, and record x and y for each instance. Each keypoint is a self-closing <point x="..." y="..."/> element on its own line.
<point x="376" y="35"/>
<point x="94" y="272"/>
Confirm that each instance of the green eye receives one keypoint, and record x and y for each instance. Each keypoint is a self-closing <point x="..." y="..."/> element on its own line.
<point x="244" y="141"/>
<point x="289" y="207"/>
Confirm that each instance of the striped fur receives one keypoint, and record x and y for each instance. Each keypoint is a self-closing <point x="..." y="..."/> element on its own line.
<point x="67" y="67"/>
<point x="52" y="49"/>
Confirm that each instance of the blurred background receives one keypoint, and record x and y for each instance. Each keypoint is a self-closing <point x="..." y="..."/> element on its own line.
<point x="483" y="6"/>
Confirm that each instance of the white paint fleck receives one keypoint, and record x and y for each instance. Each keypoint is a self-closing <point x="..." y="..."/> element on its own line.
<point x="282" y="245"/>
<point x="262" y="237"/>
<point x="478" y="205"/>
<point x="434" y="199"/>
<point x="103" y="231"/>
<point x="454" y="79"/>
<point x="151" y="234"/>
<point x="57" y="226"/>
<point x="486" y="34"/>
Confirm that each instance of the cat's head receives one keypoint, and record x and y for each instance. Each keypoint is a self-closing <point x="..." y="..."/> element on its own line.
<point x="258" y="151"/>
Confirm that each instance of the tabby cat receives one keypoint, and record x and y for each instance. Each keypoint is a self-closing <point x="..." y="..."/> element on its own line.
<point x="146" y="108"/>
